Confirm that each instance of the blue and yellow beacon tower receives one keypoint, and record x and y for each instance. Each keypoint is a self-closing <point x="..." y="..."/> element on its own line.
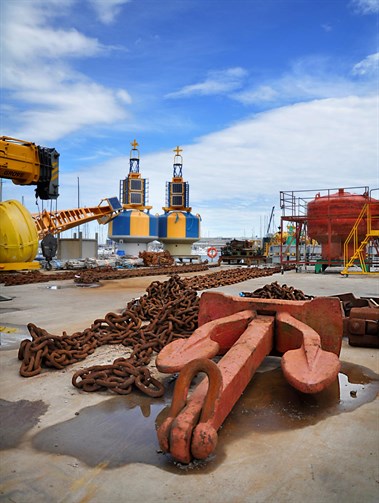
<point x="178" y="227"/>
<point x="134" y="228"/>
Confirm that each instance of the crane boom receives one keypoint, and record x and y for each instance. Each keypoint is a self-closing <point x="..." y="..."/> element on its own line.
<point x="271" y="217"/>
<point x="54" y="222"/>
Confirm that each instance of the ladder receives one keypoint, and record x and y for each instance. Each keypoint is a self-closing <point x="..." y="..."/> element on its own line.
<point x="360" y="248"/>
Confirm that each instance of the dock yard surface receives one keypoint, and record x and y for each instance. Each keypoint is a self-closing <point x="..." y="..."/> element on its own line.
<point x="60" y="444"/>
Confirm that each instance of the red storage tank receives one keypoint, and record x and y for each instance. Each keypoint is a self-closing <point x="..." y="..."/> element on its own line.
<point x="331" y="218"/>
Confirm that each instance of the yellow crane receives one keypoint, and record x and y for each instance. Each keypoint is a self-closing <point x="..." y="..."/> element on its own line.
<point x="21" y="230"/>
<point x="26" y="163"/>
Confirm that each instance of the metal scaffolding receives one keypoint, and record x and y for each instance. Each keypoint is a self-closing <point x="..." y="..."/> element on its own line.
<point x="296" y="246"/>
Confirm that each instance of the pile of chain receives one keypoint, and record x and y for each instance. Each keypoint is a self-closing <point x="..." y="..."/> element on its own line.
<point x="26" y="278"/>
<point x="228" y="277"/>
<point x="154" y="259"/>
<point x="170" y="310"/>
<point x="275" y="291"/>
<point x="90" y="276"/>
<point x="95" y="275"/>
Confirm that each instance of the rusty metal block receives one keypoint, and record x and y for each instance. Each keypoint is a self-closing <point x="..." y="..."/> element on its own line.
<point x="362" y="327"/>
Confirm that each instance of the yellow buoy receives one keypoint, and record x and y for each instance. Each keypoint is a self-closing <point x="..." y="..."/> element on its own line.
<point x="18" y="234"/>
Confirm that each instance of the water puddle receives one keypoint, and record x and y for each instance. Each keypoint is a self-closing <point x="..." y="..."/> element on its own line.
<point x="71" y="285"/>
<point x="122" y="430"/>
<point x="88" y="285"/>
<point x="16" y="418"/>
<point x="115" y="432"/>
<point x="270" y="404"/>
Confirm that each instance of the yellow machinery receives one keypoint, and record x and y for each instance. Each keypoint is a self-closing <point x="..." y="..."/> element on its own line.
<point x="18" y="237"/>
<point x="54" y="222"/>
<point x="20" y="230"/>
<point x="26" y="163"/>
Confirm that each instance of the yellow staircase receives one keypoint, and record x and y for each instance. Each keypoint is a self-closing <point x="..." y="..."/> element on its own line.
<point x="360" y="248"/>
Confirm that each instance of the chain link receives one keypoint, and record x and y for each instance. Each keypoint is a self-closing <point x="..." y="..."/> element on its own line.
<point x="275" y="291"/>
<point x="169" y="310"/>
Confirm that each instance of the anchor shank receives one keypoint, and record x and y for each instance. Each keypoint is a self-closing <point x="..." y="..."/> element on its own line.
<point x="237" y="368"/>
<point x="241" y="362"/>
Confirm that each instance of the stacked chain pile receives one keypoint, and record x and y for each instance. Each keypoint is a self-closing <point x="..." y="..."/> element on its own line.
<point x="95" y="275"/>
<point x="168" y="310"/>
<point x="171" y="311"/>
<point x="90" y="276"/>
<point x="154" y="259"/>
<point x="275" y="291"/>
<point x="228" y="277"/>
<point x="26" y="278"/>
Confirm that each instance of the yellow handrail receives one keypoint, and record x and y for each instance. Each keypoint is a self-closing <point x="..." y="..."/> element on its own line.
<point x="358" y="248"/>
<point x="353" y="235"/>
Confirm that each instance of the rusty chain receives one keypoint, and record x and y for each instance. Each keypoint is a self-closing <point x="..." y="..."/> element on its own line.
<point x="168" y="310"/>
<point x="94" y="275"/>
<point x="229" y="277"/>
<point x="29" y="277"/>
<point x="153" y="259"/>
<point x="171" y="316"/>
<point x="275" y="291"/>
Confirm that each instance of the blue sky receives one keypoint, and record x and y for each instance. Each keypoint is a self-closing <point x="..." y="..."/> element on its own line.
<point x="262" y="95"/>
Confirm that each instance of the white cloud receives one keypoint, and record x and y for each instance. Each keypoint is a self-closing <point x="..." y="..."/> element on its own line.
<point x="24" y="41"/>
<point x="308" y="79"/>
<point x="365" y="6"/>
<point x="50" y="99"/>
<point x="69" y="108"/>
<point x="124" y="96"/>
<point x="369" y="65"/>
<point x="257" y="95"/>
<point x="107" y="10"/>
<point x="236" y="174"/>
<point x="217" y="82"/>
<point x="321" y="144"/>
<point x="326" y="27"/>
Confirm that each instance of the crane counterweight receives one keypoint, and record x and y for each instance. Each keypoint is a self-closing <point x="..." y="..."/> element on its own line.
<point x="26" y="163"/>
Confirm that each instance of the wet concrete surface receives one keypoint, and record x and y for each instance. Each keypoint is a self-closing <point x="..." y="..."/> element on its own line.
<point x="269" y="404"/>
<point x="113" y="433"/>
<point x="16" y="418"/>
<point x="277" y="445"/>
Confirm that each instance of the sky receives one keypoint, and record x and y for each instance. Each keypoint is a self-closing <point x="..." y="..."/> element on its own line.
<point x="263" y="96"/>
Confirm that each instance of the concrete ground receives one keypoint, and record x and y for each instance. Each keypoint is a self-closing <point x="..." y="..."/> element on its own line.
<point x="60" y="444"/>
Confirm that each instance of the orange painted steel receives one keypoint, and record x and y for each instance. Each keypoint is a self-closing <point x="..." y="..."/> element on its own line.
<point x="310" y="368"/>
<point x="181" y="425"/>
<point x="323" y="314"/>
<point x="307" y="333"/>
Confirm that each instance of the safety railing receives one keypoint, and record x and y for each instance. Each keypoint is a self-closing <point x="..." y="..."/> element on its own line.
<point x="355" y="249"/>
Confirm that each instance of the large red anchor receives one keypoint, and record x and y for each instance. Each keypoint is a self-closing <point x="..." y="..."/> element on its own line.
<point x="308" y="335"/>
